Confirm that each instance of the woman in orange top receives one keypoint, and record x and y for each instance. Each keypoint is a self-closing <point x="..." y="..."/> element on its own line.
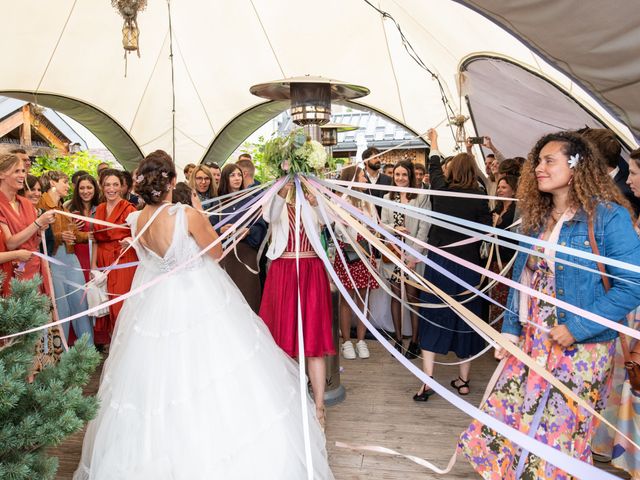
<point x="20" y="225"/>
<point x="10" y="265"/>
<point x="109" y="243"/>
<point x="22" y="229"/>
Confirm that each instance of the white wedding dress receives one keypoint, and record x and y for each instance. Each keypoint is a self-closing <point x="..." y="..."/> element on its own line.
<point x="194" y="386"/>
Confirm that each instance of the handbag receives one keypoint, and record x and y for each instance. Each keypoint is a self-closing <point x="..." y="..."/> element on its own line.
<point x="632" y="368"/>
<point x="351" y="256"/>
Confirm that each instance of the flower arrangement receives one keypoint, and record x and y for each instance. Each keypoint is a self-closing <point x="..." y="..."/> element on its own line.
<point x="294" y="153"/>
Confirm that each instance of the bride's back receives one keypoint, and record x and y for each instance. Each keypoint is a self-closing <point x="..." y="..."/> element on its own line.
<point x="170" y="234"/>
<point x="160" y="233"/>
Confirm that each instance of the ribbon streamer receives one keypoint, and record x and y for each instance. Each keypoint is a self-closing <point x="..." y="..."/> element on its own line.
<point x="494" y="337"/>
<point x="571" y="465"/>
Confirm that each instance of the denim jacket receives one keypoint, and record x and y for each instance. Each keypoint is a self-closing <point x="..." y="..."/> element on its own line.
<point x="616" y="239"/>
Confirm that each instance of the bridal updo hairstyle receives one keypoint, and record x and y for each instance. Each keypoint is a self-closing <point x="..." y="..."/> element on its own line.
<point x="154" y="176"/>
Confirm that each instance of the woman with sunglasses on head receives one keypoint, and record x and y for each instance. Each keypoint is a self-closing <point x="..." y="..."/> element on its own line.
<point x="111" y="244"/>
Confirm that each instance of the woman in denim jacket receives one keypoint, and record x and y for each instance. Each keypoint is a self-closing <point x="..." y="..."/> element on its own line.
<point x="564" y="184"/>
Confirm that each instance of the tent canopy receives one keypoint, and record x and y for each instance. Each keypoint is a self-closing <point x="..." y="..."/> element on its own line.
<point x="70" y="58"/>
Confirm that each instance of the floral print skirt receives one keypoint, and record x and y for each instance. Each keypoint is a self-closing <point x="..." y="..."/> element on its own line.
<point x="623" y="411"/>
<point x="524" y="401"/>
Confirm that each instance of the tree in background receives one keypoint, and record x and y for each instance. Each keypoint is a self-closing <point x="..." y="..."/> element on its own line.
<point x="34" y="416"/>
<point x="68" y="164"/>
<point x="264" y="171"/>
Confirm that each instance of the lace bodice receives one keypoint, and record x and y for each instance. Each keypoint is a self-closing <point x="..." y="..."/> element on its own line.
<point x="183" y="247"/>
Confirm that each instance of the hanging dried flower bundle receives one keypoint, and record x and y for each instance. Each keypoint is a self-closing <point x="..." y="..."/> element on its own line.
<point x="129" y="10"/>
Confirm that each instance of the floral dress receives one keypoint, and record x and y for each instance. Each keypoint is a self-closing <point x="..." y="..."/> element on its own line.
<point x="398" y="221"/>
<point x="623" y="411"/>
<point x="358" y="270"/>
<point x="524" y="401"/>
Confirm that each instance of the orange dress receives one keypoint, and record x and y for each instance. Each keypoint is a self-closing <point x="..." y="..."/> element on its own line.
<point x="118" y="281"/>
<point x="17" y="221"/>
<point x="49" y="347"/>
<point x="6" y="268"/>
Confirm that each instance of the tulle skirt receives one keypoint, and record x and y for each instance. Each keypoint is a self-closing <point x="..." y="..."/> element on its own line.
<point x="196" y="388"/>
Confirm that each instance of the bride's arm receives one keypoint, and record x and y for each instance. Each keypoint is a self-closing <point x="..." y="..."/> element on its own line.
<point x="203" y="233"/>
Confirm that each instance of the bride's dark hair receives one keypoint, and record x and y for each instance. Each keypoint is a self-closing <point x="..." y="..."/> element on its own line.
<point x="154" y="176"/>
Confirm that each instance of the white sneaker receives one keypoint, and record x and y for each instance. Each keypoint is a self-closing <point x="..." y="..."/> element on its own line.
<point x="362" y="349"/>
<point x="347" y="350"/>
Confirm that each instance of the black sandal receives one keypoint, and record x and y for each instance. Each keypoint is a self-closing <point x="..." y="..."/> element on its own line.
<point x="424" y="395"/>
<point x="464" y="384"/>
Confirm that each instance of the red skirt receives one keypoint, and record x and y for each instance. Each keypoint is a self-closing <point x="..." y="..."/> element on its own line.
<point x="279" y="307"/>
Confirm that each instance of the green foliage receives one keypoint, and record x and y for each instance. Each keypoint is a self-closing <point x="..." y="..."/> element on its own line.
<point x="264" y="171"/>
<point x="40" y="414"/>
<point x="68" y="164"/>
<point x="294" y="153"/>
<point x="332" y="163"/>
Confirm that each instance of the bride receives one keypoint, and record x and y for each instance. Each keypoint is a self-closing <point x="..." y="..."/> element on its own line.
<point x="194" y="386"/>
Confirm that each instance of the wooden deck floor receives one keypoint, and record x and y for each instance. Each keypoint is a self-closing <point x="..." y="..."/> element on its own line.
<point x="378" y="410"/>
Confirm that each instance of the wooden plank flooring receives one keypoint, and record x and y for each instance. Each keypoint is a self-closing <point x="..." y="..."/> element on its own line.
<point x="379" y="411"/>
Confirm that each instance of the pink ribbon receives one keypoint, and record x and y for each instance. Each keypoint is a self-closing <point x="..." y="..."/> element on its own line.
<point x="571" y="465"/>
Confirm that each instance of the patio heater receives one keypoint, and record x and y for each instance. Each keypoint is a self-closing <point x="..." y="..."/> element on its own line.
<point x="311" y="98"/>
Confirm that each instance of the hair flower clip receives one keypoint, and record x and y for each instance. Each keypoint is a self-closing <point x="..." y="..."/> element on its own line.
<point x="573" y="160"/>
<point x="164" y="174"/>
<point x="139" y="178"/>
<point x="155" y="193"/>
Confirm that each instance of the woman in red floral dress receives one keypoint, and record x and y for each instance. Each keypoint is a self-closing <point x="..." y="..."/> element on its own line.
<point x="362" y="278"/>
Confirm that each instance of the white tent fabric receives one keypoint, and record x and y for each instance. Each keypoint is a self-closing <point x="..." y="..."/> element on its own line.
<point x="595" y="42"/>
<point x="509" y="100"/>
<point x="70" y="49"/>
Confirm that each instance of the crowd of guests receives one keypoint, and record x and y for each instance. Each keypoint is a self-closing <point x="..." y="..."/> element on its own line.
<point x="574" y="189"/>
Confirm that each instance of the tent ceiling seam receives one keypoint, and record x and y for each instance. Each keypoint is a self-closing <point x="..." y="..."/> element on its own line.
<point x="190" y="138"/>
<point x="184" y="62"/>
<point x="168" y="130"/>
<point x="393" y="70"/>
<point x="146" y="87"/>
<point x="429" y="34"/>
<point x="264" y="30"/>
<point x="55" y="49"/>
<point x="622" y="85"/>
<point x="559" y="127"/>
<point x="414" y="55"/>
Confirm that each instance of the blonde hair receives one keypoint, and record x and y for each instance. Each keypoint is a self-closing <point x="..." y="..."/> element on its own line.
<point x="8" y="161"/>
<point x="589" y="186"/>
<point x="213" y="187"/>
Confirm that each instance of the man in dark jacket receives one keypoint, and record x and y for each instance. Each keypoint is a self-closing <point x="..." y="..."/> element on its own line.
<point x="373" y="174"/>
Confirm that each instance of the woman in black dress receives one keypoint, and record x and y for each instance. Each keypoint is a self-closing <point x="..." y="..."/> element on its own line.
<point x="452" y="334"/>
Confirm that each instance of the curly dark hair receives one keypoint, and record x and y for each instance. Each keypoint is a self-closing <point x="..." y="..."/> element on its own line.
<point x="154" y="176"/>
<point x="590" y="185"/>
